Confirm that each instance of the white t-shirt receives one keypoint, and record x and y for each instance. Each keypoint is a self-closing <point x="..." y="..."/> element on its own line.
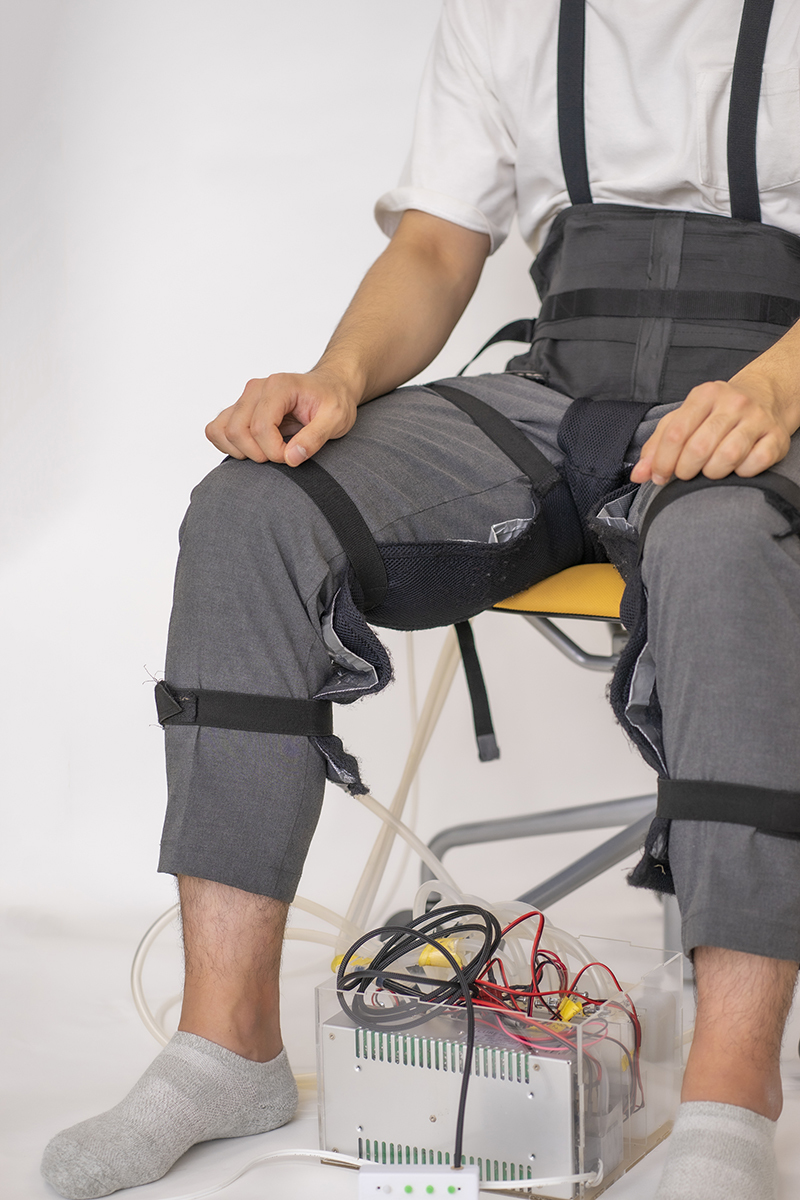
<point x="657" y="86"/>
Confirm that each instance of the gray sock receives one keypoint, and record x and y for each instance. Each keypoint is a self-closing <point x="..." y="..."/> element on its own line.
<point x="193" y="1091"/>
<point x="718" y="1152"/>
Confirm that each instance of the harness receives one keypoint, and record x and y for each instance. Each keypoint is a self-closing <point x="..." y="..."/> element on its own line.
<point x="637" y="305"/>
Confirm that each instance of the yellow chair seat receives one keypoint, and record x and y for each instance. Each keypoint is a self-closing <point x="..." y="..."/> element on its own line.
<point x="594" y="590"/>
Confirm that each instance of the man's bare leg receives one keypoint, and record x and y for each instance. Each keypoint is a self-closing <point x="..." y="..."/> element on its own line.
<point x="722" y="1143"/>
<point x="232" y="942"/>
<point x="223" y="1074"/>
<point x="743" y="1001"/>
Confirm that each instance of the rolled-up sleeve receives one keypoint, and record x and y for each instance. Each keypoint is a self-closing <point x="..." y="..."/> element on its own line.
<point x="462" y="161"/>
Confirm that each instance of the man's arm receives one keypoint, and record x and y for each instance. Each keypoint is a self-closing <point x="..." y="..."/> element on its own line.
<point x="742" y="426"/>
<point x="399" y="319"/>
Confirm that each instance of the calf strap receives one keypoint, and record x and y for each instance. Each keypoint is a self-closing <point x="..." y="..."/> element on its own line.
<point x="243" y="710"/>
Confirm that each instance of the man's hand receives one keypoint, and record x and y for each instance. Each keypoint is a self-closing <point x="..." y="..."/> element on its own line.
<point x="402" y="314"/>
<point x="743" y="426"/>
<point x="310" y="409"/>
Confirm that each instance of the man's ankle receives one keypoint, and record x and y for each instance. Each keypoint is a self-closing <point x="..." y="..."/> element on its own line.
<point x="733" y="1083"/>
<point x="257" y="1046"/>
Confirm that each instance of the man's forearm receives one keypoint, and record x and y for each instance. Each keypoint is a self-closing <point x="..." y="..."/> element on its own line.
<point x="398" y="321"/>
<point x="406" y="307"/>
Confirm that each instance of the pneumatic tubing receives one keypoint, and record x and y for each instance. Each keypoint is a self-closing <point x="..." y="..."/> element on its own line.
<point x="348" y="931"/>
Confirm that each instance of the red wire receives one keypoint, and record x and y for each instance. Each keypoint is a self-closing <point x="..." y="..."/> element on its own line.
<point x="603" y="967"/>
<point x="490" y="998"/>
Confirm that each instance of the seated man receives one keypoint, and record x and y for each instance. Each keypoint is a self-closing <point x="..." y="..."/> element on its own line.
<point x="667" y="266"/>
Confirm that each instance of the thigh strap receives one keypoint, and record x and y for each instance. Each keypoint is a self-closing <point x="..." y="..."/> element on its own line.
<point x="347" y="523"/>
<point x="505" y="435"/>
<point x="780" y="491"/>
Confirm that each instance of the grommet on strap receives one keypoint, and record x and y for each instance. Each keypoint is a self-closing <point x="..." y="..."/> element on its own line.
<point x="481" y="713"/>
<point x="243" y="710"/>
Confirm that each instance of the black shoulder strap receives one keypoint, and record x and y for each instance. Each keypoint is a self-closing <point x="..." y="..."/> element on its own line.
<point x="571" y="120"/>
<point x="505" y="435"/>
<point x="743" y="112"/>
<point x="742" y="115"/>
<point x="347" y="523"/>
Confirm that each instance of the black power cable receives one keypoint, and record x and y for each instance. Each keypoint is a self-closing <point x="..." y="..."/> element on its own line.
<point x="426" y="930"/>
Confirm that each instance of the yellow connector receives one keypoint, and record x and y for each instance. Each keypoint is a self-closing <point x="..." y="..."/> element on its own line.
<point x="569" y="1008"/>
<point x="431" y="957"/>
<point x="354" y="962"/>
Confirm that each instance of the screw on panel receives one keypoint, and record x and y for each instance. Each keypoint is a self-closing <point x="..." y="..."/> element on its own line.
<point x="332" y="1036"/>
<point x="530" y="1095"/>
<point x="357" y="1067"/>
<point x="433" y="1118"/>
<point x="532" y="1157"/>
<point x="536" y="1067"/>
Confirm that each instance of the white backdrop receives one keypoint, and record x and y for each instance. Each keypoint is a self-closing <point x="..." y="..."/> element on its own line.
<point x="186" y="191"/>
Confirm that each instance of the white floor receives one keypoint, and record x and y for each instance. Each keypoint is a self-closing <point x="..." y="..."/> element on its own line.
<point x="73" y="1044"/>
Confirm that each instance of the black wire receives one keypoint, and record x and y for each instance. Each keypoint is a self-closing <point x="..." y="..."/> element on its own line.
<point x="419" y="993"/>
<point x="406" y="938"/>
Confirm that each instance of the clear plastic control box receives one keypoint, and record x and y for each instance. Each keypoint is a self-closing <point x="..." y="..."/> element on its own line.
<point x="545" y="1099"/>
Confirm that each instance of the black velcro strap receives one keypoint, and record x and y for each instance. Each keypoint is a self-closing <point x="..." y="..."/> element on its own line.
<point x="241" y="710"/>
<point x="516" y="331"/>
<point x="571" y="120"/>
<point x="767" y="809"/>
<point x="505" y="436"/>
<point x="743" y="111"/>
<point x="678" y="305"/>
<point x="481" y="713"/>
<point x="347" y="523"/>
<point x="767" y="481"/>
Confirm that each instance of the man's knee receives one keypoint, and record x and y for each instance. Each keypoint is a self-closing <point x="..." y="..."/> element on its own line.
<point x="241" y="495"/>
<point x="256" y="524"/>
<point x="716" y="547"/>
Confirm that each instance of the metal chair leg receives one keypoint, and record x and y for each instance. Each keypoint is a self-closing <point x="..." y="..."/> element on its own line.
<point x="603" y="815"/>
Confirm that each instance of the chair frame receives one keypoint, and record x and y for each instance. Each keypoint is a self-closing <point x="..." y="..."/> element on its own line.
<point x="634" y="812"/>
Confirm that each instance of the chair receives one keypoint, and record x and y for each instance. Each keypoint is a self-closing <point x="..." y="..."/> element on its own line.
<point x="586" y="592"/>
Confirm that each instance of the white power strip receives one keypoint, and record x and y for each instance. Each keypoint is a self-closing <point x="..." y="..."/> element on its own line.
<point x="444" y="1183"/>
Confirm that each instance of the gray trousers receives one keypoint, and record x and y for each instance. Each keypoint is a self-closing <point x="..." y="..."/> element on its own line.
<point x="260" y="568"/>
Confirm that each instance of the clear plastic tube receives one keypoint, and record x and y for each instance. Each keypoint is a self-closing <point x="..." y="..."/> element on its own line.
<point x="427" y="856"/>
<point x="149" y="1021"/>
<point x="367" y="888"/>
<point x="592" y="1178"/>
<point x="564" y="944"/>
<point x="154" y="1022"/>
<point x="516" y="956"/>
<point x="411" y="671"/>
<point x="348" y="932"/>
<point x="344" y="1160"/>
